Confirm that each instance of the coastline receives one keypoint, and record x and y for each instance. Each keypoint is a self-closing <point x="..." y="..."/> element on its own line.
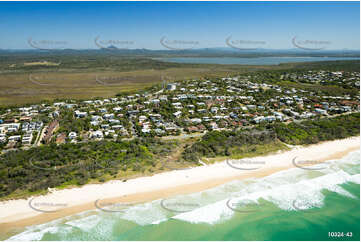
<point x="16" y="214"/>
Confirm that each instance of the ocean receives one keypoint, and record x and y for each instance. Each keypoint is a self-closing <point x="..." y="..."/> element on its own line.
<point x="296" y="204"/>
<point x="251" y="61"/>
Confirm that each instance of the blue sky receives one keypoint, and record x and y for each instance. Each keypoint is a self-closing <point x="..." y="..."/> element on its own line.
<point x="205" y="24"/>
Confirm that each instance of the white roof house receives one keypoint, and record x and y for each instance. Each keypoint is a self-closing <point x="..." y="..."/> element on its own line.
<point x="177" y="114"/>
<point x="171" y="87"/>
<point x="97" y="134"/>
<point x="72" y="135"/>
<point x="79" y="114"/>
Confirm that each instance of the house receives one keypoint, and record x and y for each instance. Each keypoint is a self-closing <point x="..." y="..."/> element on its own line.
<point x="100" y="102"/>
<point x="142" y="118"/>
<point x="26" y="119"/>
<point x="196" y="120"/>
<point x="270" y="118"/>
<point x="59" y="104"/>
<point x="192" y="129"/>
<point x="214" y="109"/>
<point x="207" y="119"/>
<point x="70" y="105"/>
<point x="15" y="138"/>
<point x="233" y="115"/>
<point x="159" y="131"/>
<point x="2" y="138"/>
<point x="163" y="98"/>
<point x="146" y="130"/>
<point x="104" y="126"/>
<point x="346" y="108"/>
<point x="11" y="127"/>
<point x="171" y="87"/>
<point x="96" y="118"/>
<point x="72" y="135"/>
<point x="177" y="114"/>
<point x="12" y="120"/>
<point x="79" y="114"/>
<point x="114" y="121"/>
<point x="27" y="138"/>
<point x="279" y="116"/>
<point x="258" y="119"/>
<point x="109" y="132"/>
<point x="218" y="117"/>
<point x="108" y="116"/>
<point x="98" y="134"/>
<point x="320" y="111"/>
<point x="325" y="105"/>
<point x="213" y="125"/>
<point x="117" y="109"/>
<point x="177" y="104"/>
<point x="94" y="123"/>
<point x="170" y="126"/>
<point x="117" y="127"/>
<point x="55" y="114"/>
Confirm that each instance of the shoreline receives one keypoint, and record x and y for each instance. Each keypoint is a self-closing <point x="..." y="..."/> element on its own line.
<point x="16" y="214"/>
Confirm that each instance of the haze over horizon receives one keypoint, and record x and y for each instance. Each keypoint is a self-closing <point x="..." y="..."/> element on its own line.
<point x="167" y="25"/>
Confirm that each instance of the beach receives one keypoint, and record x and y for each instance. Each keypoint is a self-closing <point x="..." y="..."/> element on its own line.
<point x="60" y="203"/>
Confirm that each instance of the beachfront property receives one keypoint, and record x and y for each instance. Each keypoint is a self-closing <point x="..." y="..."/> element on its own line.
<point x="188" y="106"/>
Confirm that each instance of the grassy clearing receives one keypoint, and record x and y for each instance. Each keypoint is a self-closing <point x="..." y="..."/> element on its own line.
<point x="41" y="63"/>
<point x="249" y="151"/>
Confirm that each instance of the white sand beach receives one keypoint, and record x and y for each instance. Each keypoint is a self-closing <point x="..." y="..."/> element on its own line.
<point x="60" y="203"/>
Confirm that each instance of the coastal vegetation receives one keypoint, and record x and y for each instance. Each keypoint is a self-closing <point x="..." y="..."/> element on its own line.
<point x="314" y="131"/>
<point x="264" y="138"/>
<point x="25" y="172"/>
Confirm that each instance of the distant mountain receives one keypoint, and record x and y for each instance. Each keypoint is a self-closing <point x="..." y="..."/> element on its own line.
<point x="202" y="52"/>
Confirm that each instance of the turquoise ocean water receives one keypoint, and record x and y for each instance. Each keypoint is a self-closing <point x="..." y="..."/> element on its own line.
<point x="296" y="204"/>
